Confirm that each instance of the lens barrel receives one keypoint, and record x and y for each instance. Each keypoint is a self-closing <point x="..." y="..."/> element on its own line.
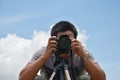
<point x="64" y="43"/>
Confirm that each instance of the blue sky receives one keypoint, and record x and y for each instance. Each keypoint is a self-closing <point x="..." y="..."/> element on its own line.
<point x="99" y="20"/>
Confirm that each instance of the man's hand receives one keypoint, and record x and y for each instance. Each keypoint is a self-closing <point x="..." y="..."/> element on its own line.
<point x="51" y="47"/>
<point x="77" y="47"/>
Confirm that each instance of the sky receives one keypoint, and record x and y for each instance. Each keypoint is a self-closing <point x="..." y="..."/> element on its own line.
<point x="25" y="27"/>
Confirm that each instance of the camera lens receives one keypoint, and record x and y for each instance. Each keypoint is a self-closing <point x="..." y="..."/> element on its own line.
<point x="64" y="42"/>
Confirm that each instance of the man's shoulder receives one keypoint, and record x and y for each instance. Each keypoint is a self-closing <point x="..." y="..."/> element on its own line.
<point x="38" y="53"/>
<point x="41" y="50"/>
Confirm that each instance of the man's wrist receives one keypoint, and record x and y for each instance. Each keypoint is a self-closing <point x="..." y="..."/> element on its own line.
<point x="44" y="58"/>
<point x="87" y="56"/>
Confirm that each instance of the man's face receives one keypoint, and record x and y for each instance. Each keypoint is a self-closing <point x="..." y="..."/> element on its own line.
<point x="69" y="33"/>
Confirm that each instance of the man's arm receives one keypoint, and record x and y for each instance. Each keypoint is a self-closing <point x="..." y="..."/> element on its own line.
<point x="31" y="69"/>
<point x="92" y="68"/>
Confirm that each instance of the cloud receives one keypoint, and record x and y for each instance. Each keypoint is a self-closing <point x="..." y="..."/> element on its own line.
<point x="16" y="51"/>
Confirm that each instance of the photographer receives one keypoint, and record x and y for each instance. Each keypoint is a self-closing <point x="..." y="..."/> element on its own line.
<point x="81" y="64"/>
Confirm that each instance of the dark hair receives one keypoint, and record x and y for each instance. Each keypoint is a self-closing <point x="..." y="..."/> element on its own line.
<point x="63" y="26"/>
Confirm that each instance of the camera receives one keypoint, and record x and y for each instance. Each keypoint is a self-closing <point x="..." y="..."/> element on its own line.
<point x="64" y="43"/>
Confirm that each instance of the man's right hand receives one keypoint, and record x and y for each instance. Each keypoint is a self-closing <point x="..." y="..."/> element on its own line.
<point x="51" y="47"/>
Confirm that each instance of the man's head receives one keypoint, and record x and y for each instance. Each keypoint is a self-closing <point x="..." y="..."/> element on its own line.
<point x="63" y="26"/>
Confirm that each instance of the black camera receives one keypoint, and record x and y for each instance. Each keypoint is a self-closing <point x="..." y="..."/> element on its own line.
<point x="64" y="43"/>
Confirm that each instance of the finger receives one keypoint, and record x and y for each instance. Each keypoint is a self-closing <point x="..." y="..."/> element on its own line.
<point x="52" y="49"/>
<point x="52" y="44"/>
<point x="52" y="38"/>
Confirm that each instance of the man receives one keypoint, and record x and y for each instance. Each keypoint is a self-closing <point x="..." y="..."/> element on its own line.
<point x="81" y="64"/>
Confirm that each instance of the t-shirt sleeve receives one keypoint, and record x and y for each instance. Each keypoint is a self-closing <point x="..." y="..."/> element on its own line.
<point x="37" y="54"/>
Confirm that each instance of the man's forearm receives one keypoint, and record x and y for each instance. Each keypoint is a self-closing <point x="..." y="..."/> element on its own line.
<point x="94" y="70"/>
<point x="31" y="69"/>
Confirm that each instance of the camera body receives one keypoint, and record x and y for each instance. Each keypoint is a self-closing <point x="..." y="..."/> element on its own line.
<point x="64" y="43"/>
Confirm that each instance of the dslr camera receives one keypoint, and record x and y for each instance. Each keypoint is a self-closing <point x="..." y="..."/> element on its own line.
<point x="64" y="43"/>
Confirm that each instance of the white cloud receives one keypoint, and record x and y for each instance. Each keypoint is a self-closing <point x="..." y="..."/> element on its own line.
<point x="82" y="37"/>
<point x="16" y="51"/>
